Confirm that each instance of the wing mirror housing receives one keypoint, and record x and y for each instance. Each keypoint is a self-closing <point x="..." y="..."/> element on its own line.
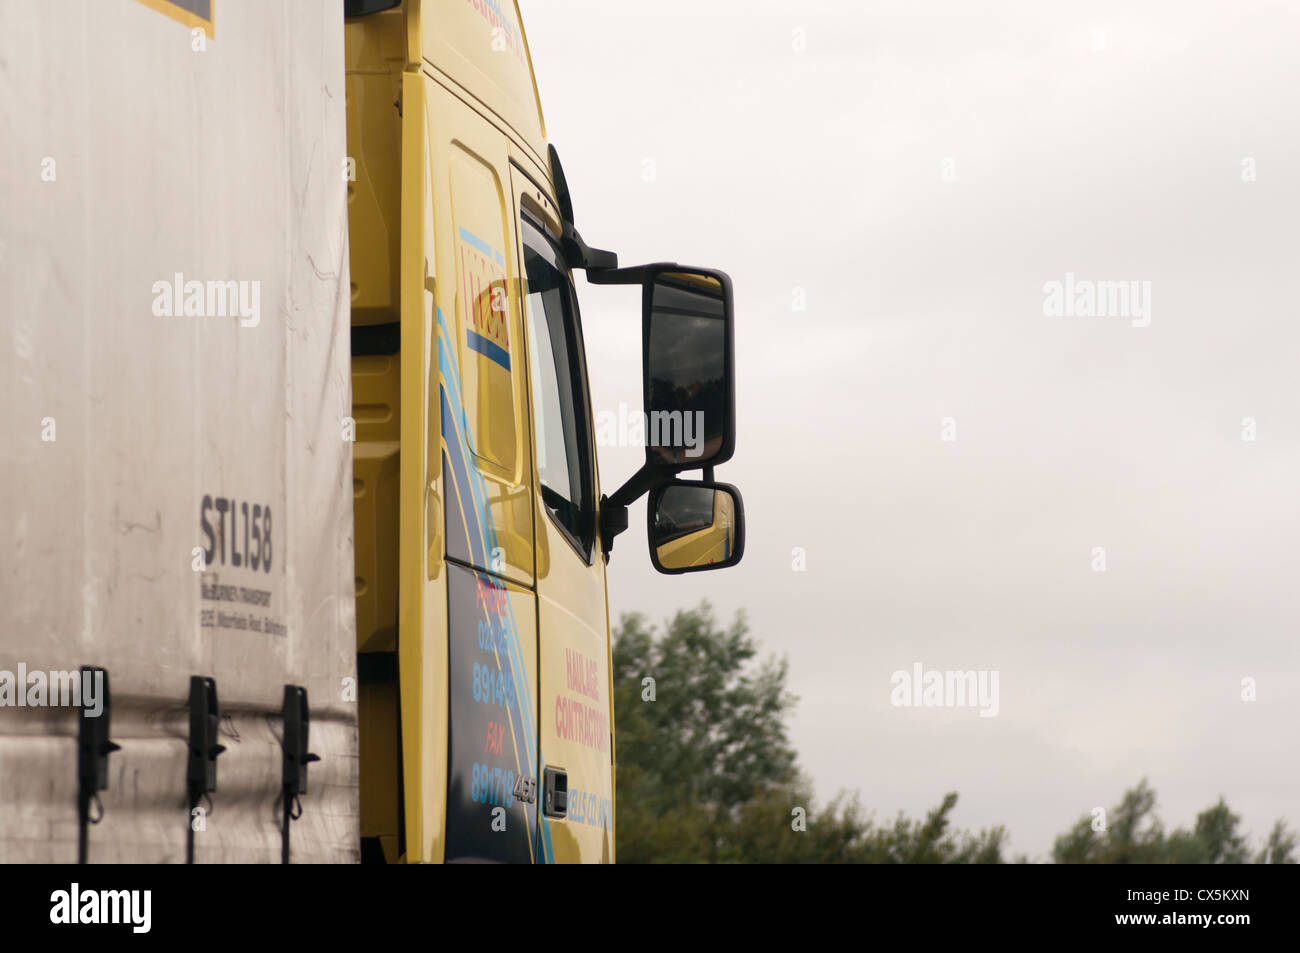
<point x="688" y="380"/>
<point x="687" y="363"/>
<point x="695" y="526"/>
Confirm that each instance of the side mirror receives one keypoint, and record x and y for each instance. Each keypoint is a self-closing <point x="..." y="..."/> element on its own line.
<point x="695" y="526"/>
<point x="689" y="388"/>
<point x="688" y="365"/>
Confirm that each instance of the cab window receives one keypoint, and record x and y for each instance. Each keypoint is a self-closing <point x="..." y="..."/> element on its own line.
<point x="560" y="409"/>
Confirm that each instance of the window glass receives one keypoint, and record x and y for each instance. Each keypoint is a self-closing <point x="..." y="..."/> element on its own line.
<point x="559" y="405"/>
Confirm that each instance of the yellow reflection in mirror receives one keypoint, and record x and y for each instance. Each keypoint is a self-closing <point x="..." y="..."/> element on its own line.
<point x="693" y="281"/>
<point x="697" y="527"/>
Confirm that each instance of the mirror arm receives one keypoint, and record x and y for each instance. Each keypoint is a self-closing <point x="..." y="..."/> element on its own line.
<point x="637" y="485"/>
<point x="632" y="275"/>
<point x="613" y="520"/>
<point x="617" y="276"/>
<point x="613" y="509"/>
<point x="578" y="254"/>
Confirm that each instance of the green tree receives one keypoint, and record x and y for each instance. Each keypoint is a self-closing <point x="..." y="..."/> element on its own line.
<point x="1280" y="846"/>
<point x="1216" y="829"/>
<point x="706" y="772"/>
<point x="1135" y="835"/>
<point x="700" y="731"/>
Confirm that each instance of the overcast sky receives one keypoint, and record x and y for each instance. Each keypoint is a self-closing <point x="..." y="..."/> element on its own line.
<point x="916" y="172"/>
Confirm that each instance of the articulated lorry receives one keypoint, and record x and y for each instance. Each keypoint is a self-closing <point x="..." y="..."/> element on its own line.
<point x="303" y="543"/>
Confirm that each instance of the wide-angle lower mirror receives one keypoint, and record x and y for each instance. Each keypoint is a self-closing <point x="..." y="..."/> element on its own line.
<point x="695" y="526"/>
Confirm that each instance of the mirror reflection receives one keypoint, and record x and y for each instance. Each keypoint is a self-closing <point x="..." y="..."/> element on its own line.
<point x="694" y="527"/>
<point x="686" y="391"/>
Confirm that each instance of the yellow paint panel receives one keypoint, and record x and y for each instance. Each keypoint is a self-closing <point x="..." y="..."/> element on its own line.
<point x="486" y="338"/>
<point x="480" y="44"/>
<point x="577" y="726"/>
<point x="489" y="517"/>
<point x="422" y="632"/>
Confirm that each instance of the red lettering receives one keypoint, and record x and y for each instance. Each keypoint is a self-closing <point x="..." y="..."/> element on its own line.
<point x="581" y="723"/>
<point x="490" y="596"/>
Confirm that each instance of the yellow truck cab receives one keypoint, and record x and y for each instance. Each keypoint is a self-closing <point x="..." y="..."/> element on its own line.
<point x="306" y="542"/>
<point x="481" y="532"/>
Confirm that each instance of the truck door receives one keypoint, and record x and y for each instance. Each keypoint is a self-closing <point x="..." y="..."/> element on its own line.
<point x="485" y="484"/>
<point x="576" y="781"/>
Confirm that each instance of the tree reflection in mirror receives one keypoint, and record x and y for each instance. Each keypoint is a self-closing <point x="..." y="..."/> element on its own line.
<point x="686" y="371"/>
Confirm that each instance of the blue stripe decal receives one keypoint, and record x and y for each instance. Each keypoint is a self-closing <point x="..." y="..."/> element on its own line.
<point x="489" y="349"/>
<point x="456" y="455"/>
<point x="467" y="236"/>
<point x="482" y="532"/>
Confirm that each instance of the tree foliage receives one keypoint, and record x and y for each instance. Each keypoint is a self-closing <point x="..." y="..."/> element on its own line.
<point x="706" y="774"/>
<point x="1135" y="835"/>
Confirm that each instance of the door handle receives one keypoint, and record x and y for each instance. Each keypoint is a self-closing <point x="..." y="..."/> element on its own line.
<point x="555" y="801"/>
